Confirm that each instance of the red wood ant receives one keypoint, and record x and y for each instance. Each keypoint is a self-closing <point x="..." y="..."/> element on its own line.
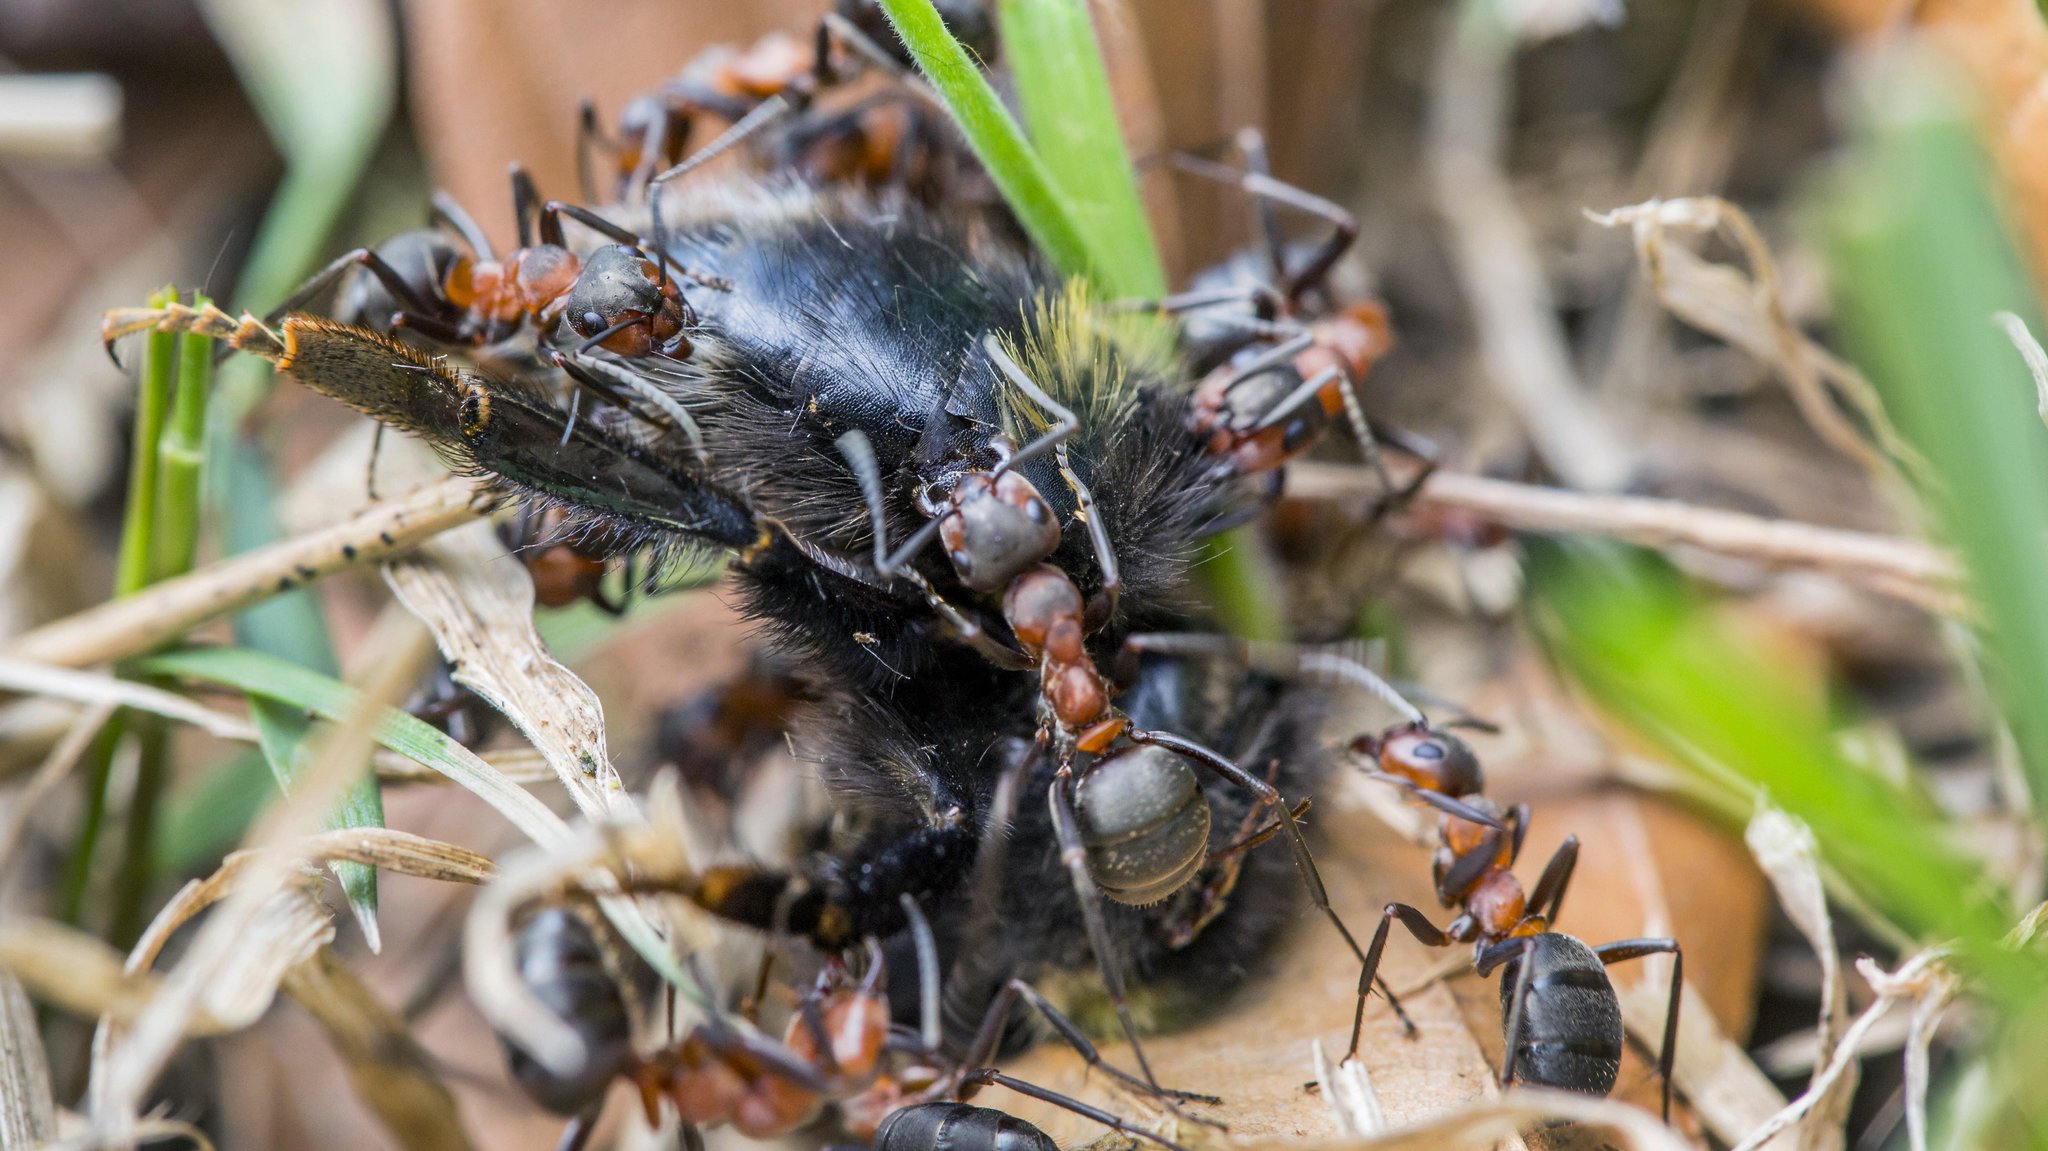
<point x="1560" y="1015"/>
<point x="837" y="1047"/>
<point x="1286" y="372"/>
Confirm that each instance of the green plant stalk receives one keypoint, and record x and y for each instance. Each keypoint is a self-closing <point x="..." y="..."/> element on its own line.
<point x="131" y="574"/>
<point x="1242" y="585"/>
<point x="995" y="137"/>
<point x="152" y="405"/>
<point x="1056" y="61"/>
<point x="138" y="847"/>
<point x="182" y="458"/>
<point x="1920" y="262"/>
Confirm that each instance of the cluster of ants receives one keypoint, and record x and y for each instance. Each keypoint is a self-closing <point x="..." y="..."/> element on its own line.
<point x="841" y="351"/>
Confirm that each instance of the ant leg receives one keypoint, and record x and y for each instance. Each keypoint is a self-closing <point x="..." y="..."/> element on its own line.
<point x="596" y="223"/>
<point x="1074" y="855"/>
<point x="1557" y="874"/>
<point x="1626" y="949"/>
<point x="1525" y="947"/>
<point x="370" y="262"/>
<point x="1344" y="225"/>
<point x="1278" y="658"/>
<point x="576" y="1136"/>
<point x="1268" y="795"/>
<point x="1265" y="220"/>
<point x="928" y="989"/>
<point x="447" y="210"/>
<point x="1466" y="869"/>
<point x="526" y="207"/>
<point x="1425" y="933"/>
<point x="988" y="1076"/>
<point x="1274" y="357"/>
<point x="693" y="1139"/>
<point x="998" y="1015"/>
<point x="588" y="134"/>
<point x="370" y="468"/>
<point x="860" y="457"/>
<point x="1444" y="803"/>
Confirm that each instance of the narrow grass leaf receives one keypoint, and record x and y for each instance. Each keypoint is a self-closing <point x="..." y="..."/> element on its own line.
<point x="1921" y="264"/>
<point x="1056" y="61"/>
<point x="994" y="135"/>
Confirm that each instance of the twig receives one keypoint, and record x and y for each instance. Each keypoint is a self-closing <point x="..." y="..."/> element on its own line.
<point x="32" y="678"/>
<point x="1891" y="565"/>
<point x="135" y="624"/>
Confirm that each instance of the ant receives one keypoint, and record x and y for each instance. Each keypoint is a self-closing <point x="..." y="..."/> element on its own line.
<point x="568" y="566"/>
<point x="713" y="736"/>
<point x="879" y="138"/>
<point x="1560" y="1016"/>
<point x="1278" y="373"/>
<point x="615" y="298"/>
<point x="836" y="1047"/>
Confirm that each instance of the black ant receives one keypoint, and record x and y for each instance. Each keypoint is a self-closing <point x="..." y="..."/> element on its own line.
<point x="1560" y="1015"/>
<point x="839" y="1046"/>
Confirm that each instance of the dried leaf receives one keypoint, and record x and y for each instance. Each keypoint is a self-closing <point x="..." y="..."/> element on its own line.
<point x="392" y="1075"/>
<point x="479" y="602"/>
<point x="87" y="687"/>
<point x="75" y="971"/>
<point x="28" y="1112"/>
<point x="1749" y="312"/>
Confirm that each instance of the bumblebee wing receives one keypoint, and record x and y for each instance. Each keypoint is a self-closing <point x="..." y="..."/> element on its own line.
<point x="500" y="429"/>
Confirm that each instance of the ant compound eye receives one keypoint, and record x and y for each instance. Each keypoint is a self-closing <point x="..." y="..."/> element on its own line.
<point x="1429" y="749"/>
<point x="1144" y="821"/>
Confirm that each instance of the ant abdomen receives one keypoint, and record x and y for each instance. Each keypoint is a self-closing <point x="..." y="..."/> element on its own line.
<point x="1571" y="1033"/>
<point x="959" y="1127"/>
<point x="1144" y="819"/>
<point x="561" y="962"/>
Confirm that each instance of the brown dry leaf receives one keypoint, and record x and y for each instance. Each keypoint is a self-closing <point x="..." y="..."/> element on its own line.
<point x="392" y="1075"/>
<point x="74" y="970"/>
<point x="28" y="1112"/>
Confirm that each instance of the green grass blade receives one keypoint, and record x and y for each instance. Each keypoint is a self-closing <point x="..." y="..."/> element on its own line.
<point x="1646" y="647"/>
<point x="207" y="817"/>
<point x="1920" y="263"/>
<point x="993" y="134"/>
<point x="257" y="674"/>
<point x="1052" y="53"/>
<point x="289" y="627"/>
<point x="282" y="732"/>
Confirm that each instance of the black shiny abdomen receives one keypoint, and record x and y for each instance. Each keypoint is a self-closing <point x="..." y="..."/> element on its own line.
<point x="958" y="1127"/>
<point x="560" y="962"/>
<point x="1571" y="1022"/>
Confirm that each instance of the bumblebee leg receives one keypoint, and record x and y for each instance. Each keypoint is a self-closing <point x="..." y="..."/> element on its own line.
<point x="1281" y="659"/>
<point x="1524" y="979"/>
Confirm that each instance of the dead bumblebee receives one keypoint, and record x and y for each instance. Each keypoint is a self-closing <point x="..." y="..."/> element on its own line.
<point x="954" y="488"/>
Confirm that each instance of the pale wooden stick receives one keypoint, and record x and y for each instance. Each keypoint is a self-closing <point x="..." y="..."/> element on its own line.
<point x="1892" y="565"/>
<point x="132" y="625"/>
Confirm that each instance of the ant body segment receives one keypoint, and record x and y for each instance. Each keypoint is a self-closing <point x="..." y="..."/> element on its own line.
<point x="1560" y="1015"/>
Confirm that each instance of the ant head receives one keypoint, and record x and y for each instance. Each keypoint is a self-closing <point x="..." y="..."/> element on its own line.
<point x="1144" y="821"/>
<point x="621" y="296"/>
<point x="995" y="527"/>
<point x="1430" y="759"/>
